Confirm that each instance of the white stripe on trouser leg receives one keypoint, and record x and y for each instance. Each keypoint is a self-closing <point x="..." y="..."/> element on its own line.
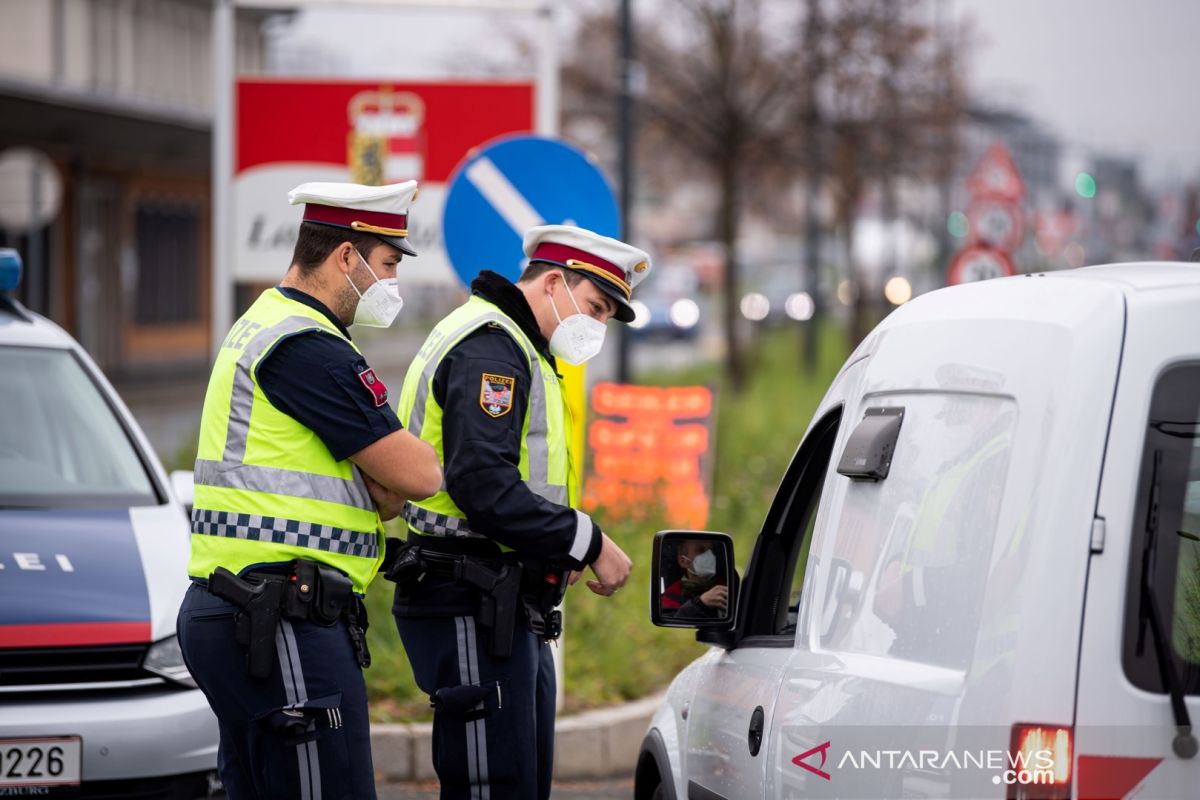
<point x="296" y="691"/>
<point x="464" y="678"/>
<point x="480" y="724"/>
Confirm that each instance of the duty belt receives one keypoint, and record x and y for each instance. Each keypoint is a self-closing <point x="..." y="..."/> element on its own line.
<point x="306" y="591"/>
<point x="506" y="583"/>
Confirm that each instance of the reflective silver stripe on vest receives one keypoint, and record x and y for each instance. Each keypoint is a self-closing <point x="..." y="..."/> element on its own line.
<point x="536" y="440"/>
<point x="241" y="402"/>
<point x="555" y="494"/>
<point x="274" y="480"/>
<point x="232" y="473"/>
<point x="416" y="418"/>
<point x="278" y="530"/>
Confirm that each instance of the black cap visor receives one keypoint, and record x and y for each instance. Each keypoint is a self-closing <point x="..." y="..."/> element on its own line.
<point x="400" y="243"/>
<point x="625" y="312"/>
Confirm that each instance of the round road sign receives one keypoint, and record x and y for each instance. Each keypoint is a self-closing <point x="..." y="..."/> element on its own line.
<point x="979" y="263"/>
<point x="996" y="221"/>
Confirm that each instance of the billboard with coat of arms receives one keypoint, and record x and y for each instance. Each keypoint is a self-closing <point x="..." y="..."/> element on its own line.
<point x="290" y="132"/>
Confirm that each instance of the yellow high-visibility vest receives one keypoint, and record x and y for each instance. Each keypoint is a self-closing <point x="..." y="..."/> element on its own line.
<point x="545" y="431"/>
<point x="267" y="488"/>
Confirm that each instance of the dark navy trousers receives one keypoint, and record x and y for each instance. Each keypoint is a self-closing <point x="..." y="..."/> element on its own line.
<point x="503" y="746"/>
<point x="301" y="733"/>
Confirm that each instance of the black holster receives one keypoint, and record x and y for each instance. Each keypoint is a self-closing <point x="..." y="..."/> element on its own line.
<point x="498" y="580"/>
<point x="542" y="592"/>
<point x="314" y="592"/>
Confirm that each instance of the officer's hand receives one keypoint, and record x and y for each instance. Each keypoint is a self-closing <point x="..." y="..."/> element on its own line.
<point x="390" y="503"/>
<point x="716" y="597"/>
<point x="574" y="577"/>
<point x="611" y="568"/>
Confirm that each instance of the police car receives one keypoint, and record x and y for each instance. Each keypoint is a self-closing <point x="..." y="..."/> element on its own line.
<point x="95" y="700"/>
<point x="980" y="575"/>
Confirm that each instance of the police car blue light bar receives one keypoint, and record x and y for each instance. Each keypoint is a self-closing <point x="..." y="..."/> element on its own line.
<point x="10" y="269"/>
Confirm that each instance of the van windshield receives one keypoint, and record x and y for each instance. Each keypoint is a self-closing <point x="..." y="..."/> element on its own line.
<point x="61" y="444"/>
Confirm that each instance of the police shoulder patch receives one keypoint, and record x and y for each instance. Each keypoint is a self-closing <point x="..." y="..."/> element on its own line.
<point x="375" y="386"/>
<point x="496" y="393"/>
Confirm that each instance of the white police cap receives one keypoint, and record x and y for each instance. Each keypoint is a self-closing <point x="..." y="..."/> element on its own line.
<point x="611" y="264"/>
<point x="381" y="210"/>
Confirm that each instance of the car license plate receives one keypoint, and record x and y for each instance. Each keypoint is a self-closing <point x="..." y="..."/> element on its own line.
<point x="40" y="762"/>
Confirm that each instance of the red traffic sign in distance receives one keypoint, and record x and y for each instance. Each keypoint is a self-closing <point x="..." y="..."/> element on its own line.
<point x="996" y="175"/>
<point x="979" y="262"/>
<point x="1053" y="229"/>
<point x="996" y="221"/>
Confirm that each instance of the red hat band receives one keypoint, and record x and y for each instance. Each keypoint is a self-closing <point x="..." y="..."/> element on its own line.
<point x="368" y="221"/>
<point x="565" y="254"/>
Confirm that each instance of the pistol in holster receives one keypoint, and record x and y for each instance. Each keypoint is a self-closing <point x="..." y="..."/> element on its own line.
<point x="256" y="623"/>
<point x="499" y="584"/>
<point x="314" y="592"/>
<point x="501" y="588"/>
<point x="404" y="565"/>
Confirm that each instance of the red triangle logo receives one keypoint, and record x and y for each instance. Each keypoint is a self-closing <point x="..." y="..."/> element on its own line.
<point x="823" y="749"/>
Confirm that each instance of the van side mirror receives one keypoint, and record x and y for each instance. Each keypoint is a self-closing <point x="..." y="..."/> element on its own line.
<point x="693" y="584"/>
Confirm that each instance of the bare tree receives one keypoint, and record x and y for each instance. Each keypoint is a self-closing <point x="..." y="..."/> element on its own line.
<point x="719" y="84"/>
<point x="892" y="110"/>
<point x="750" y="94"/>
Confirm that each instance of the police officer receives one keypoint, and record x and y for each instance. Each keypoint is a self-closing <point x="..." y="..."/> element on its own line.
<point x="484" y="390"/>
<point x="297" y="447"/>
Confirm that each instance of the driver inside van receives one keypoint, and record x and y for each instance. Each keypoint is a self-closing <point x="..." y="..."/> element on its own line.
<point x="699" y="591"/>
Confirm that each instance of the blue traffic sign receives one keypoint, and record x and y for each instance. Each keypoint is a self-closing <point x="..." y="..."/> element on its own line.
<point x="514" y="183"/>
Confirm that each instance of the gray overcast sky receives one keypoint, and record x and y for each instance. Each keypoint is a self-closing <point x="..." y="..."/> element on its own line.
<point x="1113" y="75"/>
<point x="1119" y="75"/>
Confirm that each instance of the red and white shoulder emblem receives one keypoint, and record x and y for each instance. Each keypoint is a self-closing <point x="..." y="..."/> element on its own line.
<point x="374" y="386"/>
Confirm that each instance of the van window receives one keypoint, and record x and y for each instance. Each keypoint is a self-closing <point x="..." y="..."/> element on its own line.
<point x="776" y="578"/>
<point x="1173" y="555"/>
<point x="61" y="444"/>
<point x="909" y="557"/>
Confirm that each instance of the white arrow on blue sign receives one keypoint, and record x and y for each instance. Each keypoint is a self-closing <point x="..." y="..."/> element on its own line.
<point x="515" y="183"/>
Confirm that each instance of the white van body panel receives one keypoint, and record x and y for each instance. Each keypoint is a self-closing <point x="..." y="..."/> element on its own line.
<point x="985" y="582"/>
<point x="999" y="382"/>
<point x="1114" y="717"/>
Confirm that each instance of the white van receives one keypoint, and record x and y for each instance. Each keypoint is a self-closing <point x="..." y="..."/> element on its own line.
<point x="980" y="575"/>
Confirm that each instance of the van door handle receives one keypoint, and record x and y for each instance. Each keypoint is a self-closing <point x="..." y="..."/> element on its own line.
<point x="756" y="730"/>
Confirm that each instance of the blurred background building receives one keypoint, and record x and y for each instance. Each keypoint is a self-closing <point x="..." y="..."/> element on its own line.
<point x="105" y="151"/>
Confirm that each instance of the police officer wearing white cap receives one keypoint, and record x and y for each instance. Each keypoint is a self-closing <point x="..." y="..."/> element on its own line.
<point x="489" y="556"/>
<point x="298" y="449"/>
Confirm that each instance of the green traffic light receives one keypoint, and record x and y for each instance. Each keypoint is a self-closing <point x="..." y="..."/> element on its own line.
<point x="957" y="224"/>
<point x="1085" y="185"/>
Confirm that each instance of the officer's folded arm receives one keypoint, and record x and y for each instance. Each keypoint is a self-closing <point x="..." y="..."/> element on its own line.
<point x="399" y="467"/>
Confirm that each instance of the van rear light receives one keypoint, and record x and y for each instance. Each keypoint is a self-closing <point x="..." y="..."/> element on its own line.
<point x="1040" y="762"/>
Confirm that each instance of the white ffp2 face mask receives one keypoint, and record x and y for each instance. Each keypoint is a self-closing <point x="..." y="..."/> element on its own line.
<point x="705" y="565"/>
<point x="380" y="303"/>
<point x="578" y="337"/>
